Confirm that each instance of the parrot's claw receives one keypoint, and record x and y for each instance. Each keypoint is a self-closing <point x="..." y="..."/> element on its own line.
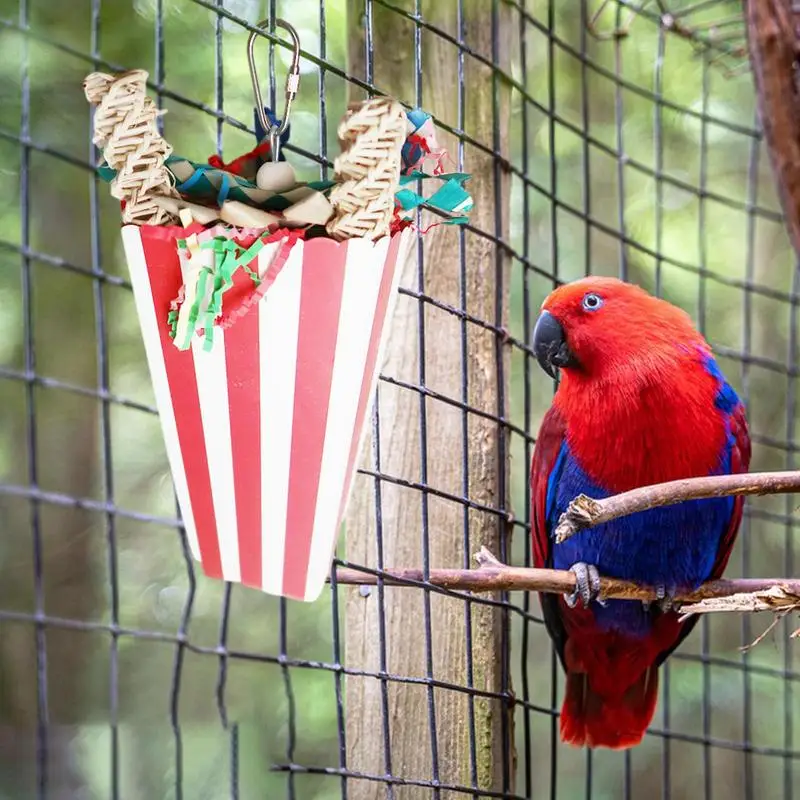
<point x="664" y="602"/>
<point x="587" y="585"/>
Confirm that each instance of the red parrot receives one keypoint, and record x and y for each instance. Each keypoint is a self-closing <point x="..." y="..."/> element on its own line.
<point x="641" y="400"/>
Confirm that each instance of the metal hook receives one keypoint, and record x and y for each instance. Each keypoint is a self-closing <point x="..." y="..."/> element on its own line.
<point x="292" y="85"/>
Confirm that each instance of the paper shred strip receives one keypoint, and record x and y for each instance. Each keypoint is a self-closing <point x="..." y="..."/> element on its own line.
<point x="451" y="198"/>
<point x="421" y="150"/>
<point x="228" y="257"/>
<point x="194" y="308"/>
<point x="246" y="165"/>
<point x="229" y="317"/>
<point x="256" y="280"/>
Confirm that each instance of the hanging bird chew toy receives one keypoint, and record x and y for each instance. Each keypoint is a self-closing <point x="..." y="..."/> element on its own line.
<point x="125" y="127"/>
<point x="263" y="305"/>
<point x="368" y="170"/>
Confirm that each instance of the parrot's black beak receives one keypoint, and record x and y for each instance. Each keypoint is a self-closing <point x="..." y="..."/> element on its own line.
<point x="550" y="345"/>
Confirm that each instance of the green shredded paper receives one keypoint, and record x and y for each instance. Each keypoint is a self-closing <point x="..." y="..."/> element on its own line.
<point x="228" y="257"/>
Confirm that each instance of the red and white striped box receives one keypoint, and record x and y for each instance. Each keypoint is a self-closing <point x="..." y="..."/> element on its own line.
<point x="263" y="430"/>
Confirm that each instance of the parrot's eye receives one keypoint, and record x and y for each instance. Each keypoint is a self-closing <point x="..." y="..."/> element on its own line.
<point x="592" y="301"/>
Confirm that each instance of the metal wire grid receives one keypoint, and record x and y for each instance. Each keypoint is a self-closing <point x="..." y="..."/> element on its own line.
<point x="715" y="28"/>
<point x="545" y="768"/>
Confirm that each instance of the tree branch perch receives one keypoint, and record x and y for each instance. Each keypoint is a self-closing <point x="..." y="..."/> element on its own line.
<point x="492" y="575"/>
<point x="779" y="595"/>
<point x="585" y="512"/>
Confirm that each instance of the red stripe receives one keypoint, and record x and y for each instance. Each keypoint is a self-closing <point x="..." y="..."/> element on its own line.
<point x="321" y="289"/>
<point x="384" y="295"/>
<point x="242" y="357"/>
<point x="163" y="269"/>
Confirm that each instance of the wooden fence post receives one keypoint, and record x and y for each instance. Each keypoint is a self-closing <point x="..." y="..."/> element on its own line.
<point x="450" y="346"/>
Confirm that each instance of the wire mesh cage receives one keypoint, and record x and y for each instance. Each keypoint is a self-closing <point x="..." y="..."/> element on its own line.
<point x="714" y="28"/>
<point x="602" y="139"/>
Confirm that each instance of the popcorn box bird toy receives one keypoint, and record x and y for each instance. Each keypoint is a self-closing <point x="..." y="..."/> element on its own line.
<point x="264" y="304"/>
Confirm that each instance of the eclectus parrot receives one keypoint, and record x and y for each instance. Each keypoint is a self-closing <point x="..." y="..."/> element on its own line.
<point x="641" y="400"/>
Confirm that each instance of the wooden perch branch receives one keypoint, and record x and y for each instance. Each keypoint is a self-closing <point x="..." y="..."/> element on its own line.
<point x="779" y="595"/>
<point x="492" y="575"/>
<point x="584" y="512"/>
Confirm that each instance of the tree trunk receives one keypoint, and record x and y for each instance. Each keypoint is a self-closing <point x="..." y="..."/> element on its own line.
<point x="454" y="452"/>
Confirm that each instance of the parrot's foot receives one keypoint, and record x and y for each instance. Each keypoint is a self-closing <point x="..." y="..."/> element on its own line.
<point x="587" y="585"/>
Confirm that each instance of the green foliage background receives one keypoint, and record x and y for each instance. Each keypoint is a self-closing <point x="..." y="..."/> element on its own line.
<point x="708" y="236"/>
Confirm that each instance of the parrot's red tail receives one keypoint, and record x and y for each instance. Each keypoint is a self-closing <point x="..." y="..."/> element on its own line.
<point x="591" y="720"/>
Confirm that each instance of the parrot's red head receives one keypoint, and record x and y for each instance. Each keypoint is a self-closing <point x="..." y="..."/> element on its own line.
<point x="596" y="328"/>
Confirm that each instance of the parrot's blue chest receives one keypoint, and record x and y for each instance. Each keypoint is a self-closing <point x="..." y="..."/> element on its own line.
<point x="673" y="546"/>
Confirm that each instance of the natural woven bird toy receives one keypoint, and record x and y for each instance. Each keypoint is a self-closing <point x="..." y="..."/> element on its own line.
<point x="367" y="172"/>
<point x="125" y="127"/>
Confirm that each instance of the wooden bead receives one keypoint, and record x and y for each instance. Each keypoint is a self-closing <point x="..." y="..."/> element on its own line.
<point x="275" y="176"/>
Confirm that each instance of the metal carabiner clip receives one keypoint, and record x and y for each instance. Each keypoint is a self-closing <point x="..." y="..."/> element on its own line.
<point x="292" y="85"/>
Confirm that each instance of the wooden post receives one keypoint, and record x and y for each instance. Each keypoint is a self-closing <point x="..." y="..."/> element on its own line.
<point x="398" y="643"/>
